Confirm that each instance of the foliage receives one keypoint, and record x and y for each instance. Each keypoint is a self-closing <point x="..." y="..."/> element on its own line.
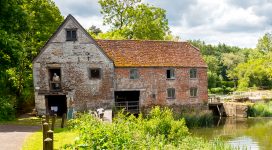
<point x="25" y="26"/>
<point x="254" y="73"/>
<point x="159" y="130"/>
<point x="221" y="60"/>
<point x="265" y="43"/>
<point x="7" y="112"/>
<point x="132" y="19"/>
<point x="260" y="110"/>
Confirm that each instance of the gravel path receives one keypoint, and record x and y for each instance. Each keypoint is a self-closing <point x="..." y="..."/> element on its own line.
<point x="12" y="136"/>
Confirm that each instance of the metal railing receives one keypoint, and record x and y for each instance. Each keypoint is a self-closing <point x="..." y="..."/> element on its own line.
<point x="128" y="106"/>
<point x="55" y="85"/>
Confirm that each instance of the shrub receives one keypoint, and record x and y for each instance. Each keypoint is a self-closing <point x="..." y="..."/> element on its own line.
<point x="260" y="110"/>
<point x="7" y="112"/>
<point x="159" y="130"/>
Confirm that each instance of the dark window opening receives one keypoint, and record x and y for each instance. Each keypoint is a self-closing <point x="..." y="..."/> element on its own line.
<point x="170" y="74"/>
<point x="56" y="104"/>
<point x="127" y="100"/>
<point x="134" y="74"/>
<point x="95" y="73"/>
<point x="71" y="35"/>
<point x="193" y="73"/>
<point x="193" y="92"/>
<point x="171" y="93"/>
<point x="55" y="79"/>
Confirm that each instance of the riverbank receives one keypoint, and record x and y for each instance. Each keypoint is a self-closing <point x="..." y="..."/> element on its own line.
<point x="251" y="133"/>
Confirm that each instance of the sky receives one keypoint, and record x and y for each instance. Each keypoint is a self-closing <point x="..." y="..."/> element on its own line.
<point x="233" y="22"/>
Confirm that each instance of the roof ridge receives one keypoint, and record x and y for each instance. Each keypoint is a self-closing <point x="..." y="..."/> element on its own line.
<point x="143" y="40"/>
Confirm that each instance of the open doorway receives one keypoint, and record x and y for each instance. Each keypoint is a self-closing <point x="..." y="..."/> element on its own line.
<point x="55" y="79"/>
<point x="56" y="104"/>
<point x="128" y="100"/>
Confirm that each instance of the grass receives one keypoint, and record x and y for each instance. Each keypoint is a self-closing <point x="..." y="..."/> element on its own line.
<point x="62" y="136"/>
<point x="29" y="121"/>
<point x="260" y="110"/>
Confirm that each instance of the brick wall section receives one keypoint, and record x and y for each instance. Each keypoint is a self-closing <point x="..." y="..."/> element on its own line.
<point x="152" y="80"/>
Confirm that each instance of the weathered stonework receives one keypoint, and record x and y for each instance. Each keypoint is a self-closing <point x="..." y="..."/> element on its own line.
<point x="75" y="58"/>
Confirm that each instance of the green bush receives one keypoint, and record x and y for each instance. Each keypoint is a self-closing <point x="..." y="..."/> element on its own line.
<point x="159" y="130"/>
<point x="260" y="110"/>
<point x="7" y="112"/>
<point x="217" y="90"/>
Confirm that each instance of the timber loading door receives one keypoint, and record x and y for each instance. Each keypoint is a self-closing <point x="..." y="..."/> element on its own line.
<point x="57" y="104"/>
<point x="127" y="100"/>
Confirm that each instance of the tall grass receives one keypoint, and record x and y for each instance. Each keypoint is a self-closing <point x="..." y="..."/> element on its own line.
<point x="260" y="110"/>
<point x="198" y="119"/>
<point x="159" y="130"/>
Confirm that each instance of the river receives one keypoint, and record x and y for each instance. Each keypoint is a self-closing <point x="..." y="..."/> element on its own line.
<point x="249" y="133"/>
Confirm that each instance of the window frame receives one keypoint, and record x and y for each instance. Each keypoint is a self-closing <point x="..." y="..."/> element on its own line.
<point x="193" y="73"/>
<point x="171" y="73"/>
<point x="90" y="73"/>
<point x="133" y="73"/>
<point x="171" y="93"/>
<point x="193" y="92"/>
<point x="70" y="37"/>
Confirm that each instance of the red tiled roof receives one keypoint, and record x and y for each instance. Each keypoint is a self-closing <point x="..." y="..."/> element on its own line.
<point x="138" y="53"/>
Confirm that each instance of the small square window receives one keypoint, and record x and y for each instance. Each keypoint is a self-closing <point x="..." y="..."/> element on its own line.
<point x="95" y="73"/>
<point x="193" y="73"/>
<point x="170" y="74"/>
<point x="171" y="93"/>
<point x="71" y="34"/>
<point x="134" y="74"/>
<point x="193" y="92"/>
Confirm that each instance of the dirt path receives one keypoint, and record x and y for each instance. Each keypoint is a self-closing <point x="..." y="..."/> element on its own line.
<point x="13" y="136"/>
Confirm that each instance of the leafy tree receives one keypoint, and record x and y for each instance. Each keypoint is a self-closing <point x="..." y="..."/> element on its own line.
<point x="265" y="43"/>
<point x="132" y="19"/>
<point x="25" y="26"/>
<point x="117" y="12"/>
<point x="93" y="30"/>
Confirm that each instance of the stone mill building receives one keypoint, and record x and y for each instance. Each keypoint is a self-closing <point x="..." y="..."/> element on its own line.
<point x="73" y="70"/>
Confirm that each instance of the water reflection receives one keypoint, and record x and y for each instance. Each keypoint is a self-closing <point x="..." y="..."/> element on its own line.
<point x="244" y="142"/>
<point x="254" y="133"/>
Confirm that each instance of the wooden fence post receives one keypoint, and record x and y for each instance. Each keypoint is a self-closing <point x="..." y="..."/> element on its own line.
<point x="44" y="130"/>
<point x="53" y="121"/>
<point x="48" y="144"/>
<point x="47" y="118"/>
<point x="50" y="134"/>
<point x="63" y="120"/>
<point x="43" y="121"/>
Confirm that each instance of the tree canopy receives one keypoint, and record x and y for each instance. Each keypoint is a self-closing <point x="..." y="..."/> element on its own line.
<point x="132" y="19"/>
<point x="25" y="26"/>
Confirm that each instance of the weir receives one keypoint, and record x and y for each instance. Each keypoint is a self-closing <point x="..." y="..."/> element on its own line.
<point x="227" y="109"/>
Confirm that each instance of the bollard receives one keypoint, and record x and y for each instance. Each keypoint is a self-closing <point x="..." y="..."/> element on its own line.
<point x="53" y="121"/>
<point x="50" y="134"/>
<point x="44" y="130"/>
<point x="63" y="120"/>
<point x="48" y="144"/>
